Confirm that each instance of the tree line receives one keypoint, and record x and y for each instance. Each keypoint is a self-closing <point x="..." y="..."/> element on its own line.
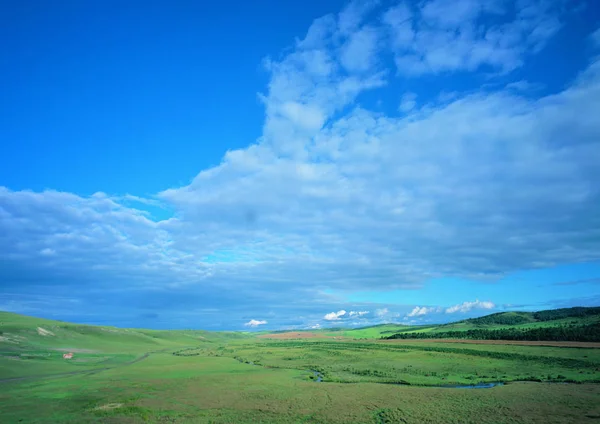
<point x="571" y="333"/>
<point x="576" y="312"/>
<point x="502" y="318"/>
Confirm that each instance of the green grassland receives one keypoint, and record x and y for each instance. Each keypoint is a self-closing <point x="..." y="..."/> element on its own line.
<point x="135" y="375"/>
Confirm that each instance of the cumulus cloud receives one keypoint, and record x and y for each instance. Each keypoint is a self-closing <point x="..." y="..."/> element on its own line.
<point x="335" y="196"/>
<point x="358" y="313"/>
<point x="469" y="306"/>
<point x="421" y="310"/>
<point x="334" y="316"/>
<point x="255" y="323"/>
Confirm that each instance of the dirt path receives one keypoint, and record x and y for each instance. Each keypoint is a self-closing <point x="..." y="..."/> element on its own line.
<point x="89" y="371"/>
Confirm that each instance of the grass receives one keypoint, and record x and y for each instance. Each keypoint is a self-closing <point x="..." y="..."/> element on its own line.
<point x="203" y="377"/>
<point x="420" y="363"/>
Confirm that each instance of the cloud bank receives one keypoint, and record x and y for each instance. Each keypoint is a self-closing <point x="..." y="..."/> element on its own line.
<point x="337" y="196"/>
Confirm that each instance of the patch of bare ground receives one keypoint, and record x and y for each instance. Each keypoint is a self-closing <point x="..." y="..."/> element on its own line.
<point x="108" y="406"/>
<point x="594" y="345"/>
<point x="43" y="332"/>
<point x="294" y="335"/>
<point x="75" y="350"/>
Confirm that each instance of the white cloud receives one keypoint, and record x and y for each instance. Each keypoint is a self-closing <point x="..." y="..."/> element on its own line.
<point x="358" y="313"/>
<point x="310" y="118"/>
<point x="399" y="21"/>
<point x="421" y="310"/>
<point x="382" y="312"/>
<point x="451" y="35"/>
<point x="255" y="323"/>
<point x="408" y="102"/>
<point x="359" y="53"/>
<point x="334" y="316"/>
<point x="375" y="202"/>
<point x="465" y="157"/>
<point x="351" y="17"/>
<point x="315" y="326"/>
<point x="384" y="315"/>
<point x="469" y="306"/>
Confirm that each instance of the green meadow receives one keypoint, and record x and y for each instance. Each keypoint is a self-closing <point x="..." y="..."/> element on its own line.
<point x="332" y="376"/>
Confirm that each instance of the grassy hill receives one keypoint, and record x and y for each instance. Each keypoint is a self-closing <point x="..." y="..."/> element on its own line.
<point x="19" y="331"/>
<point x="567" y="324"/>
<point x="565" y="317"/>
<point x="579" y="314"/>
<point x="32" y="346"/>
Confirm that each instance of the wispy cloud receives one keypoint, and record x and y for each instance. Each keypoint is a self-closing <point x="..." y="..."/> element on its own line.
<point x="382" y="312"/>
<point x="595" y="38"/>
<point x="408" y="102"/>
<point x="580" y="281"/>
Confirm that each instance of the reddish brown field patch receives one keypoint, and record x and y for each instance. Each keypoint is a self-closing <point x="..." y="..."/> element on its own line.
<point x="295" y="335"/>
<point x="595" y="345"/>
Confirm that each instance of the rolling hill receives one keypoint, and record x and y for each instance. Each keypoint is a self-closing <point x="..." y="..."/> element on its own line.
<point x="566" y="324"/>
<point x="565" y="317"/>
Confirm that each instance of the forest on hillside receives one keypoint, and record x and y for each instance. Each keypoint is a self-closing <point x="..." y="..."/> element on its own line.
<point x="571" y="333"/>
<point x="576" y="312"/>
<point x="515" y="318"/>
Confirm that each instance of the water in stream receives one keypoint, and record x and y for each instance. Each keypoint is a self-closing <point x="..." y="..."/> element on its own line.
<point x="318" y="376"/>
<point x="474" y="386"/>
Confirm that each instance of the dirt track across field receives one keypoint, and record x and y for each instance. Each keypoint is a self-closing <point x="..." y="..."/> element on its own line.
<point x="595" y="345"/>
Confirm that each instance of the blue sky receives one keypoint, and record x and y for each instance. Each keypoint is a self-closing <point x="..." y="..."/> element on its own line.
<point x="241" y="166"/>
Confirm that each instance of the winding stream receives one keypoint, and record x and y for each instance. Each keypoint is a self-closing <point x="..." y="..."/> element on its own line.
<point x="473" y="386"/>
<point x="317" y="377"/>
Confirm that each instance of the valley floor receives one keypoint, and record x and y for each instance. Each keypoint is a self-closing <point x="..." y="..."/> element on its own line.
<point x="254" y="380"/>
<point x="145" y="376"/>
